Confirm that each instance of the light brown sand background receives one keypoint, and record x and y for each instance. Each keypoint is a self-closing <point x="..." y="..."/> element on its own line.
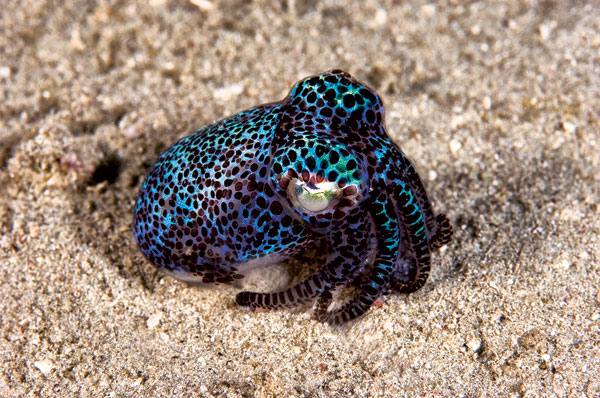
<point x="496" y="102"/>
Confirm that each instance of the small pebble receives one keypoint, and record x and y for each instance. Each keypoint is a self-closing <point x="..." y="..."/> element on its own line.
<point x="432" y="175"/>
<point x="133" y="131"/>
<point x="428" y="10"/>
<point x="77" y="42"/>
<point x="154" y="320"/>
<point x="5" y="72"/>
<point x="569" y="127"/>
<point x="228" y="92"/>
<point x="457" y="121"/>
<point x="545" y="31"/>
<point x="474" y="344"/>
<point x="45" y="366"/>
<point x="204" y="5"/>
<point x="455" y="146"/>
<point x="487" y="103"/>
<point x="380" y="17"/>
<point x="546" y="357"/>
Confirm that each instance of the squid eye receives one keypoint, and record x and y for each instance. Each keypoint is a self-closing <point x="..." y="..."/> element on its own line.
<point x="314" y="198"/>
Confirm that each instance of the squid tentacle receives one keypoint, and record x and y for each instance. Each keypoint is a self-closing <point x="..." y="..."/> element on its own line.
<point x="382" y="211"/>
<point x="412" y="270"/>
<point x="438" y="226"/>
<point x="388" y="214"/>
<point x="342" y="265"/>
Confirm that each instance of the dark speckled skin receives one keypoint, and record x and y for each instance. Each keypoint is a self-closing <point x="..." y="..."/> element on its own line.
<point x="240" y="190"/>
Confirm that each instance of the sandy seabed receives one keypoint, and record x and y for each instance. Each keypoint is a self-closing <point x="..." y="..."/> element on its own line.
<point x="496" y="102"/>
